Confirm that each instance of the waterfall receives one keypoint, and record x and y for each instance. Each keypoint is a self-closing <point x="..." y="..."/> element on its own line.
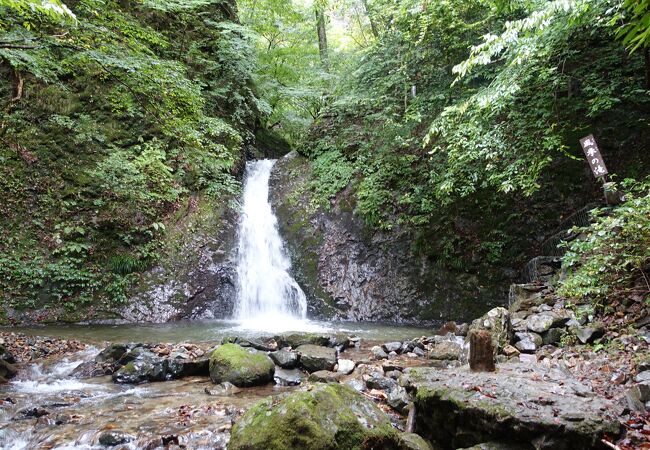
<point x="267" y="294"/>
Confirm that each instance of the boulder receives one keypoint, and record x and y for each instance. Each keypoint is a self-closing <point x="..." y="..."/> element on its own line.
<point x="446" y="350"/>
<point x="330" y="416"/>
<point x="314" y="357"/>
<point x="398" y="399"/>
<point x="288" y="377"/>
<point x="528" y="342"/>
<point x="264" y="344"/>
<point x="412" y="441"/>
<point x="112" y="353"/>
<point x="539" y="323"/>
<point x="553" y="336"/>
<point x="377" y="381"/>
<point x="325" y="376"/>
<point x="378" y="352"/>
<point x="345" y="366"/>
<point x="285" y="358"/>
<point x="180" y="368"/>
<point x="114" y="438"/>
<point x="143" y="368"/>
<point x="588" y="334"/>
<point x="518" y="404"/>
<point x="7" y="371"/>
<point x="497" y="322"/>
<point x="392" y="347"/>
<point x="240" y="366"/>
<point x="637" y="396"/>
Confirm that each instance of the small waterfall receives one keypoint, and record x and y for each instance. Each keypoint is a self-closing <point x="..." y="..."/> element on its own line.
<point x="267" y="294"/>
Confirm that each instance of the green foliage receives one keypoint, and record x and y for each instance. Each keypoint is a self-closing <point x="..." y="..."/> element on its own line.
<point x="635" y="31"/>
<point x="613" y="252"/>
<point x="331" y="173"/>
<point x="124" y="113"/>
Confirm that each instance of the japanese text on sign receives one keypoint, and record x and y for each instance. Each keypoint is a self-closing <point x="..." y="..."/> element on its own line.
<point x="592" y="152"/>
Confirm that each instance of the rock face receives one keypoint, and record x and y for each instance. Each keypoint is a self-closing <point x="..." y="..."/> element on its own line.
<point x="240" y="366"/>
<point x="327" y="417"/>
<point x="196" y="277"/>
<point x="353" y="273"/>
<point x="458" y="408"/>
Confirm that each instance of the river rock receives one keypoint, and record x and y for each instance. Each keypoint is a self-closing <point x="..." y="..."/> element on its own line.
<point x="330" y="416"/>
<point x="398" y="399"/>
<point x="377" y="381"/>
<point x="114" y="438"/>
<point x="288" y="377"/>
<point x="112" y="353"/>
<point x="314" y="358"/>
<point x="520" y="404"/>
<point x="392" y="347"/>
<point x="180" y="368"/>
<point x="145" y="367"/>
<point x="325" y="376"/>
<point x="412" y="441"/>
<point x="528" y="342"/>
<point x="7" y="371"/>
<point x="6" y="355"/>
<point x="243" y="367"/>
<point x="345" y="366"/>
<point x="498" y="445"/>
<point x="497" y="322"/>
<point x="378" y="352"/>
<point x="553" y="336"/>
<point x="224" y="389"/>
<point x="588" y="334"/>
<point x="446" y="350"/>
<point x="264" y="344"/>
<point x="637" y="396"/>
<point x="539" y="323"/>
<point x="642" y="377"/>
<point x="285" y="358"/>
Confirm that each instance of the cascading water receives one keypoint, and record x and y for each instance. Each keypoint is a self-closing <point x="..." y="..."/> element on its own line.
<point x="268" y="296"/>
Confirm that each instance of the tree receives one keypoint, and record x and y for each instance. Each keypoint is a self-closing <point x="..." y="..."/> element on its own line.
<point x="321" y="30"/>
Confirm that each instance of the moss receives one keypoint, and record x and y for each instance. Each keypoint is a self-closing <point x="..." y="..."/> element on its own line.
<point x="239" y="366"/>
<point x="327" y="417"/>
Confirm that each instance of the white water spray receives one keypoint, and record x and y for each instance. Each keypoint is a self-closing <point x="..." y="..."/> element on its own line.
<point x="268" y="297"/>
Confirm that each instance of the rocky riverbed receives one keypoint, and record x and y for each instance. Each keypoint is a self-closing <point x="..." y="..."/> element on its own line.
<point x="565" y="379"/>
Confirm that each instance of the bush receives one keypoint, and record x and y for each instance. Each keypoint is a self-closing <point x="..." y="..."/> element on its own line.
<point x="613" y="252"/>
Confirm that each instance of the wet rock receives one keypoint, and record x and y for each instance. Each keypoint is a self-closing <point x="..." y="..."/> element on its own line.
<point x="528" y="342"/>
<point x="112" y="353"/>
<point x="345" y="366"/>
<point x="91" y="369"/>
<point x="285" y="358"/>
<point x="539" y="323"/>
<point x="288" y="377"/>
<point x="180" y="368"/>
<point x="141" y="366"/>
<point x="417" y="351"/>
<point x="497" y="322"/>
<point x="295" y="340"/>
<point x="398" y="399"/>
<point x="391" y="347"/>
<point x="461" y="408"/>
<point x="7" y="371"/>
<point x="31" y="413"/>
<point x="498" y="445"/>
<point x="588" y="334"/>
<point x="377" y="381"/>
<point x="6" y="355"/>
<point x="263" y="344"/>
<point x="446" y="350"/>
<point x="114" y="438"/>
<point x="329" y="416"/>
<point x="325" y="376"/>
<point x="378" y="352"/>
<point x="314" y="358"/>
<point x="637" y="396"/>
<point x="224" y="389"/>
<point x="242" y="367"/>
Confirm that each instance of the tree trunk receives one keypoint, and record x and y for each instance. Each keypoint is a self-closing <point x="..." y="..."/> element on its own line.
<point x="481" y="351"/>
<point x="18" y="85"/>
<point x="373" y="25"/>
<point x="322" y="38"/>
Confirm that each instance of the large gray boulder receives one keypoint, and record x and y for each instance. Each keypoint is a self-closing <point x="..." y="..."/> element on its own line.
<point x="240" y="366"/>
<point x="314" y="357"/>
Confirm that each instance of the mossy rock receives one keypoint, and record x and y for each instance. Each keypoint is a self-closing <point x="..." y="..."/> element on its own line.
<point x="325" y="417"/>
<point x="240" y="366"/>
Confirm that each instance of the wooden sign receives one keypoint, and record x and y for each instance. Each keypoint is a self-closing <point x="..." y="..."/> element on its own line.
<point x="592" y="152"/>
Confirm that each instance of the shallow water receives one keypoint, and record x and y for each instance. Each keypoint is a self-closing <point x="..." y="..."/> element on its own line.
<point x="80" y="411"/>
<point x="216" y="330"/>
